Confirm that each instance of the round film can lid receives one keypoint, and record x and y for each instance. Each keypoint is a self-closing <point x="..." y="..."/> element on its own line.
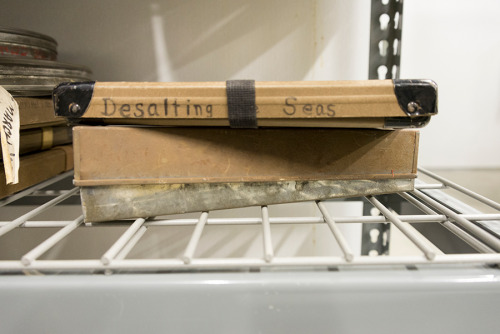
<point x="19" y="43"/>
<point x="34" y="77"/>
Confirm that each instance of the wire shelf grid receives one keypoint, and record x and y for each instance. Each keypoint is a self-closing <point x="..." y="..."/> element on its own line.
<point x="476" y="229"/>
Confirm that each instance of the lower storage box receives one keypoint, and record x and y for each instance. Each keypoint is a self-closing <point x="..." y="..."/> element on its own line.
<point x="128" y="172"/>
<point x="37" y="167"/>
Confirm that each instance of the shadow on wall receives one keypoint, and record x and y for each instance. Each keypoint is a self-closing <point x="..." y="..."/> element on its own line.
<point x="184" y="40"/>
<point x="197" y="41"/>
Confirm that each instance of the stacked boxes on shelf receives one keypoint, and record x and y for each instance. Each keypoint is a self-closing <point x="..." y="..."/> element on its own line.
<point x="150" y="149"/>
<point x="29" y="71"/>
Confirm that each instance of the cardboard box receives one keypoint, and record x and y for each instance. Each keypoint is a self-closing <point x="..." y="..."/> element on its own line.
<point x="36" y="112"/>
<point x="358" y="104"/>
<point x="147" y="155"/>
<point x="129" y="172"/>
<point x="37" y="167"/>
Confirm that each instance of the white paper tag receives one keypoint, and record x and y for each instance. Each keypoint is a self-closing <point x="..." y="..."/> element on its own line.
<point x="9" y="128"/>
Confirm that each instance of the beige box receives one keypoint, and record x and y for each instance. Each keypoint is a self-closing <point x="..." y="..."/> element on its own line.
<point x="36" y="112"/>
<point x="354" y="104"/>
<point x="129" y="172"/>
<point x="37" y="167"/>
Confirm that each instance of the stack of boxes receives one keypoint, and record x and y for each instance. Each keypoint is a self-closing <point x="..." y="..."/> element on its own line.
<point x="151" y="149"/>
<point x="29" y="71"/>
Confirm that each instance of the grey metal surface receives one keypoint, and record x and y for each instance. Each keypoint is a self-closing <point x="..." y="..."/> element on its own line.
<point x="33" y="77"/>
<point x="21" y="43"/>
<point x="391" y="300"/>
<point x="385" y="39"/>
<point x="384" y="63"/>
<point x="375" y="236"/>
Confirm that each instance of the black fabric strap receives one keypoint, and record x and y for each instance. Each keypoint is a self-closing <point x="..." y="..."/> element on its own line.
<point x="241" y="103"/>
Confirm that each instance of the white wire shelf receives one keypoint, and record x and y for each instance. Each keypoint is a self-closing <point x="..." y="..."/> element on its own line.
<point x="478" y="230"/>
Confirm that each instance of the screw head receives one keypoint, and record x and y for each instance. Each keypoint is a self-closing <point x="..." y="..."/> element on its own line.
<point x="413" y="106"/>
<point x="74" y="108"/>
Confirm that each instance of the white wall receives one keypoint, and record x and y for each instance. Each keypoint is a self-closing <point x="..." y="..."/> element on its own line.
<point x="195" y="40"/>
<point x="455" y="43"/>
